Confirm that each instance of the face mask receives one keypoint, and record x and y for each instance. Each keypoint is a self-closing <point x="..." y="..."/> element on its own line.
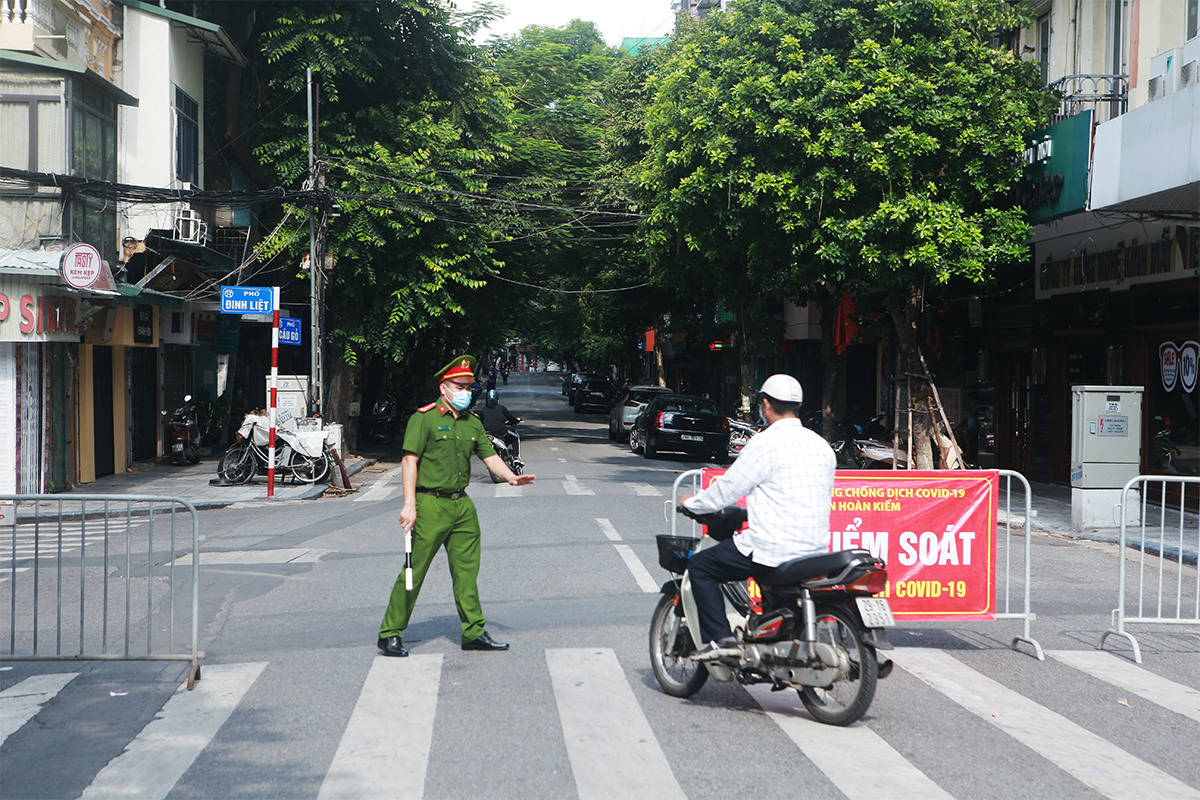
<point x="460" y="400"/>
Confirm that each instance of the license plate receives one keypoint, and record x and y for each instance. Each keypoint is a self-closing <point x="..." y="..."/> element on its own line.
<point x="875" y="611"/>
<point x="689" y="437"/>
<point x="177" y="447"/>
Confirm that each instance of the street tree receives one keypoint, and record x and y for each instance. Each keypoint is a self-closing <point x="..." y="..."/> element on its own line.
<point x="805" y="146"/>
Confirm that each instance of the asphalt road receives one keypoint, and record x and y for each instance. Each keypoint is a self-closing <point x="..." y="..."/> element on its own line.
<point x="295" y="702"/>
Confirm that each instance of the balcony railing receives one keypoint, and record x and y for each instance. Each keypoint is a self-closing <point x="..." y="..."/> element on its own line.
<point x="1107" y="95"/>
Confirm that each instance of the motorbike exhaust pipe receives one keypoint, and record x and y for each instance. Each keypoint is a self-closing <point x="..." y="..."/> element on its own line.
<point x="809" y="609"/>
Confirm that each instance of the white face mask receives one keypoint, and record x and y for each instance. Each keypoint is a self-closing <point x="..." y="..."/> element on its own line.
<point x="460" y="400"/>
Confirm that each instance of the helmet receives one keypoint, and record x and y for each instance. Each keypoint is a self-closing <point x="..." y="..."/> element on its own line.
<point x="492" y="398"/>
<point x="783" y="388"/>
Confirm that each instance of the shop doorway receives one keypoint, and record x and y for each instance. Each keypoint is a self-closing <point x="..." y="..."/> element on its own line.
<point x="1011" y="413"/>
<point x="143" y="396"/>
<point x="102" y="405"/>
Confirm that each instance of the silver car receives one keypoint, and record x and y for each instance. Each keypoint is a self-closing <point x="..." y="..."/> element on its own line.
<point x="630" y="402"/>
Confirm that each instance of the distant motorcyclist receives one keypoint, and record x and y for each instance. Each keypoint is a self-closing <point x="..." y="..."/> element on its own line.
<point x="498" y="421"/>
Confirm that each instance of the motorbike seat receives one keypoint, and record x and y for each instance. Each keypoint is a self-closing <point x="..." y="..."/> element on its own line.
<point x="799" y="570"/>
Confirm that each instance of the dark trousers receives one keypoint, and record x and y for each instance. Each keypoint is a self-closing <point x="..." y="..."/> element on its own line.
<point x="707" y="570"/>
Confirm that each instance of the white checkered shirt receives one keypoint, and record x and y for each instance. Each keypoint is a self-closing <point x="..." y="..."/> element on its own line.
<point x="786" y="473"/>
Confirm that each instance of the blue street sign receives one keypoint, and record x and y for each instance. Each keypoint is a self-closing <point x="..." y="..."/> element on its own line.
<point x="289" y="330"/>
<point x="246" y="300"/>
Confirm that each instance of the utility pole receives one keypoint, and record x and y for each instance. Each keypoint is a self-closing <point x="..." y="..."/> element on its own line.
<point x="314" y="380"/>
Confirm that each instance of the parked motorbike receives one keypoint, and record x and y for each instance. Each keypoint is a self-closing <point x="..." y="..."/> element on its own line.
<point x="183" y="434"/>
<point x="740" y="433"/>
<point x="816" y="629"/>
<point x="302" y="455"/>
<point x="380" y="424"/>
<point x="508" y="448"/>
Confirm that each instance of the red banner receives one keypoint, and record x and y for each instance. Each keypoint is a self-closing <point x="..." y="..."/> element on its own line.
<point x="935" y="530"/>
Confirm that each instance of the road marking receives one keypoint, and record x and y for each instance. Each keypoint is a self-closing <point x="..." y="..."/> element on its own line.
<point x="563" y="460"/>
<point x="572" y="486"/>
<point x="380" y="490"/>
<point x="290" y="555"/>
<point x="158" y="756"/>
<point x="612" y="749"/>
<point x="552" y="448"/>
<point x="644" y="580"/>
<point x="384" y="751"/>
<point x="1145" y="684"/>
<point x="504" y="490"/>
<point x="1092" y="759"/>
<point x="8" y="571"/>
<point x="840" y="753"/>
<point x="644" y="490"/>
<point x="19" y="704"/>
<point x="608" y="529"/>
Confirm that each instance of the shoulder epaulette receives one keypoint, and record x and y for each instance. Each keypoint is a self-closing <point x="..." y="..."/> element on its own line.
<point x="429" y="407"/>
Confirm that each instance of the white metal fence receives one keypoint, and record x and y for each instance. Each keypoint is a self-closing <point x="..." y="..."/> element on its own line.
<point x="94" y="578"/>
<point x="1163" y="594"/>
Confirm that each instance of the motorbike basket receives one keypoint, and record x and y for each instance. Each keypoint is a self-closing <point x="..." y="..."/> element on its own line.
<point x="673" y="551"/>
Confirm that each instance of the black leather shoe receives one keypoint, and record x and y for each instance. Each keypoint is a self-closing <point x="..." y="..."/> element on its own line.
<point x="484" y="642"/>
<point x="391" y="646"/>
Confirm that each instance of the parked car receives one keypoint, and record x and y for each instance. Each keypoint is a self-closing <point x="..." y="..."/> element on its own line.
<point x="630" y="402"/>
<point x="577" y="380"/>
<point x="595" y="394"/>
<point x="681" y="422"/>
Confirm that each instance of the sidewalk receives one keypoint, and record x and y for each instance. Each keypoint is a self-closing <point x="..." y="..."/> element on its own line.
<point x="192" y="483"/>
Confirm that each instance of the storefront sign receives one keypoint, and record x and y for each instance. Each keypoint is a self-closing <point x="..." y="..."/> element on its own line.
<point x="143" y="324"/>
<point x="1135" y="264"/>
<point x="1055" y="179"/>
<point x="26" y="315"/>
<point x="81" y="266"/>
<point x="1178" y="364"/>
<point x="936" y="532"/>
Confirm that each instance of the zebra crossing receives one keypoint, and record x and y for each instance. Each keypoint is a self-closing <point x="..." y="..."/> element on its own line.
<point x="387" y="487"/>
<point x="25" y="541"/>
<point x="614" y="750"/>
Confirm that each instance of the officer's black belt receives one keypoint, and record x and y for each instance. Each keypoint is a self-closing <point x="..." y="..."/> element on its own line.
<point x="443" y="495"/>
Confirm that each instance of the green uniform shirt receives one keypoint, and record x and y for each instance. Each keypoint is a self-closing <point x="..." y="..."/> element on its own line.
<point x="445" y="444"/>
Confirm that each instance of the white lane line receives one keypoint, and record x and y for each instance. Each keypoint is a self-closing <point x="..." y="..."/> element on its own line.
<point x="504" y="490"/>
<point x="840" y="753"/>
<point x="384" y="751"/>
<point x="158" y="756"/>
<point x="289" y="555"/>
<point x="379" y="490"/>
<point x="644" y="580"/>
<point x="608" y="529"/>
<point x="1145" y="684"/>
<point x="572" y="486"/>
<point x="18" y="704"/>
<point x="612" y="749"/>
<point x="563" y="460"/>
<point x="644" y="489"/>
<point x="1092" y="759"/>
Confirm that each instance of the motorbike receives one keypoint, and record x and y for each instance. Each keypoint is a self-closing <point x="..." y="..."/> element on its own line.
<point x="380" y="424"/>
<point x="740" y="433"/>
<point x="183" y="434"/>
<point x="509" y="451"/>
<point x="817" y="628"/>
<point x="301" y="454"/>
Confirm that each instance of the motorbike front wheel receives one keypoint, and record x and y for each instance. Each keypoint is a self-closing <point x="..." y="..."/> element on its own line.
<point x="237" y="465"/>
<point x="310" y="469"/>
<point x="848" y="699"/>
<point x="384" y="432"/>
<point x="678" y="675"/>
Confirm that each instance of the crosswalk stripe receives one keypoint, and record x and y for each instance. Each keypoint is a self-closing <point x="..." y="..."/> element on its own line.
<point x="607" y="528"/>
<point x="1145" y="684"/>
<point x="19" y="703"/>
<point x="158" y="756"/>
<point x="572" y="486"/>
<point x="287" y="555"/>
<point x="840" y="753"/>
<point x="644" y="489"/>
<point x="611" y="747"/>
<point x="645" y="580"/>
<point x="384" y="751"/>
<point x="504" y="490"/>
<point x="1092" y="759"/>
<point x="380" y="489"/>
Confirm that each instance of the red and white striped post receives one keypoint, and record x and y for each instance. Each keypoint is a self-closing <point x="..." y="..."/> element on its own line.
<point x="274" y="389"/>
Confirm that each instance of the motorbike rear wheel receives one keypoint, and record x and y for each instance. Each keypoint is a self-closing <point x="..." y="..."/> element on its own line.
<point x="384" y="432"/>
<point x="237" y="465"/>
<point x="678" y="675"/>
<point x="847" y="700"/>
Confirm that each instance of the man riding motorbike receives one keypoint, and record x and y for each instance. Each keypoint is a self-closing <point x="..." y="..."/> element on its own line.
<point x="498" y="421"/>
<point x="786" y="474"/>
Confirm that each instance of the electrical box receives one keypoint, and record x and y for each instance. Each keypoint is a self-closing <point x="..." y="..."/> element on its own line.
<point x="1106" y="436"/>
<point x="291" y="399"/>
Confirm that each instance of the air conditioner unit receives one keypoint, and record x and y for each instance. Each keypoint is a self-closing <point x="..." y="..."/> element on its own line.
<point x="1166" y="65"/>
<point x="1189" y="74"/>
<point x="1154" y="88"/>
<point x="189" y="227"/>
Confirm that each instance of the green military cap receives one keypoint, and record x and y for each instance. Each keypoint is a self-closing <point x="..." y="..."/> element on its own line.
<point x="459" y="367"/>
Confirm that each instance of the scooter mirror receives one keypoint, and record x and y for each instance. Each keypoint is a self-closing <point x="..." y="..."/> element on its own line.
<point x="187" y="398"/>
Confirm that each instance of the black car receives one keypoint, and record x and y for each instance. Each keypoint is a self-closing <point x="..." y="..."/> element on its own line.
<point x="577" y="380"/>
<point x="681" y="422"/>
<point x="594" y="394"/>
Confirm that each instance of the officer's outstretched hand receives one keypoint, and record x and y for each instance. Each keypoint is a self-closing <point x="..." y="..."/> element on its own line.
<point x="521" y="480"/>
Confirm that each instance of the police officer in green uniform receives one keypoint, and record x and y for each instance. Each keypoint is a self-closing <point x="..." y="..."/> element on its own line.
<point x="435" y="471"/>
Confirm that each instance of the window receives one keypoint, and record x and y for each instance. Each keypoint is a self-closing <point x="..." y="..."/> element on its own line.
<point x="1043" y="46"/>
<point x="187" y="137"/>
<point x="1116" y="42"/>
<point x="1193" y="19"/>
<point x="94" y="156"/>
<point x="31" y="118"/>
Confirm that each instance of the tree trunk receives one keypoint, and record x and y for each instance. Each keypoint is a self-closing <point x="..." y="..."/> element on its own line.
<point x="905" y="302"/>
<point x="832" y="363"/>
<point x="341" y="394"/>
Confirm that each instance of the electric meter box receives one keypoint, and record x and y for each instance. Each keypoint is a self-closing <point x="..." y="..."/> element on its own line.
<point x="291" y="399"/>
<point x="1106" y="436"/>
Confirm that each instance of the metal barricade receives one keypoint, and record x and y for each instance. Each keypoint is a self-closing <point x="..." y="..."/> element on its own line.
<point x="114" y="557"/>
<point x="1154" y="585"/>
<point x="1016" y="526"/>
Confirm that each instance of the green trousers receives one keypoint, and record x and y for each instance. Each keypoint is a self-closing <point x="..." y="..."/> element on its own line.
<point x="452" y="524"/>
